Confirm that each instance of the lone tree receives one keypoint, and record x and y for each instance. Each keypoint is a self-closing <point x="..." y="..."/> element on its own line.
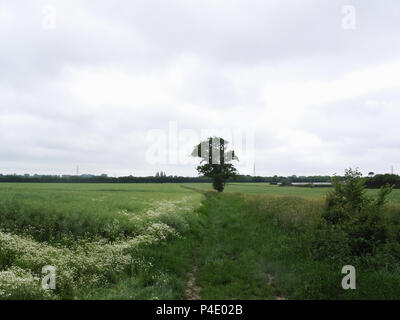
<point x="215" y="161"/>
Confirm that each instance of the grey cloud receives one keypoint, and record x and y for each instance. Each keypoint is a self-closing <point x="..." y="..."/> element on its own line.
<point x="203" y="64"/>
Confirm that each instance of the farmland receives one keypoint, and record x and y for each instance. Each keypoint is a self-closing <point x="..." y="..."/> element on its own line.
<point x="266" y="188"/>
<point x="170" y="241"/>
<point x="90" y="233"/>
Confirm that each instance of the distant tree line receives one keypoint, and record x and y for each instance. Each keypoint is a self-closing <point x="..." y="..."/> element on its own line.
<point x="160" y="177"/>
<point x="380" y="180"/>
<point x="372" y="182"/>
<point x="100" y="179"/>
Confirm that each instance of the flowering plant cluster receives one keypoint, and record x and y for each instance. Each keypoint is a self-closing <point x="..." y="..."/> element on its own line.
<point x="86" y="262"/>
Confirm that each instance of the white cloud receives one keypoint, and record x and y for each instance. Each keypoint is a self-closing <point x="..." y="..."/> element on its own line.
<point x="88" y="92"/>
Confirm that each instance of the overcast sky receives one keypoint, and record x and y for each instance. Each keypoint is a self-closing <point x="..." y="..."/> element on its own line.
<point x="102" y="84"/>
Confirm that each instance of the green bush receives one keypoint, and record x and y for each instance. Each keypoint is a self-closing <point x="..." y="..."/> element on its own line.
<point x="286" y="183"/>
<point x="330" y="243"/>
<point x="360" y="216"/>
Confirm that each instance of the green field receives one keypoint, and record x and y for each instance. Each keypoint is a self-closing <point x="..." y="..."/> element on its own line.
<point x="170" y="241"/>
<point x="266" y="188"/>
<point x="89" y="232"/>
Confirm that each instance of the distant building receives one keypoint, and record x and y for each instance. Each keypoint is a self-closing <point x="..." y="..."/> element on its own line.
<point x="104" y="175"/>
<point x="317" y="184"/>
<point x="87" y="175"/>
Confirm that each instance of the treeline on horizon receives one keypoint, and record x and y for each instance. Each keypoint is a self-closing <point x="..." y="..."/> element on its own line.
<point x="377" y="181"/>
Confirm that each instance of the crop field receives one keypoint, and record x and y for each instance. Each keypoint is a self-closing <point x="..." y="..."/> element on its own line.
<point x="171" y="241"/>
<point x="303" y="192"/>
<point x="89" y="232"/>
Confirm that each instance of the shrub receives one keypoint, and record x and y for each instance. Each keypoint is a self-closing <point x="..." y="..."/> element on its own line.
<point x="360" y="216"/>
<point x="330" y="243"/>
<point x="286" y="183"/>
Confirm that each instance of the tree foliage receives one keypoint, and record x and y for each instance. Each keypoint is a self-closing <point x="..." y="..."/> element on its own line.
<point x="380" y="180"/>
<point x="215" y="161"/>
<point x="358" y="215"/>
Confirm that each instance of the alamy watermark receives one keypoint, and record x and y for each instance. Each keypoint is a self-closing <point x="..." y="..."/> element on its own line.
<point x="174" y="146"/>
<point x="49" y="278"/>
<point x="349" y="17"/>
<point x="349" y="281"/>
<point x="49" y="17"/>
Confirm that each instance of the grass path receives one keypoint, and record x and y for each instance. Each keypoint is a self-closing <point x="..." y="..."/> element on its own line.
<point x="192" y="290"/>
<point x="230" y="264"/>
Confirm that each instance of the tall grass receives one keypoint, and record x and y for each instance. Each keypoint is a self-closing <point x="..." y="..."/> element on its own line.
<point x="140" y="241"/>
<point x="92" y="235"/>
<point x="268" y="247"/>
